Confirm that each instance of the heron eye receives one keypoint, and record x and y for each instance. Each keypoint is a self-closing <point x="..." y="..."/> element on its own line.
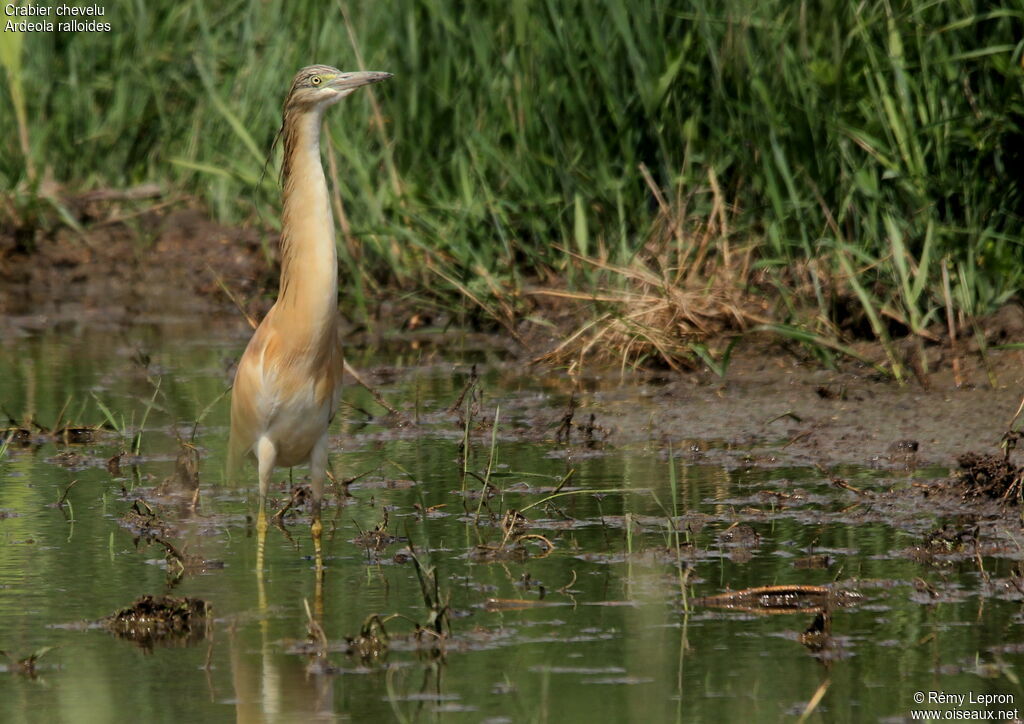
<point x="315" y="80"/>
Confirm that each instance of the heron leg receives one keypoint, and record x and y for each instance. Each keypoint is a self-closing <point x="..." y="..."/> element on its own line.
<point x="317" y="470"/>
<point x="266" y="456"/>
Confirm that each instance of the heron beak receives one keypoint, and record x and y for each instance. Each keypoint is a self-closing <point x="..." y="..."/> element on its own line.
<point x="351" y="81"/>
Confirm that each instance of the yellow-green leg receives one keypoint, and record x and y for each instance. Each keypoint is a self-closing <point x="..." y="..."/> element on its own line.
<point x="261" y="538"/>
<point x="317" y="529"/>
<point x="317" y="471"/>
<point x="266" y="455"/>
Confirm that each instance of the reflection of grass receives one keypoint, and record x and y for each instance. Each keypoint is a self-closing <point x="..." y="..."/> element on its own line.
<point x="840" y="154"/>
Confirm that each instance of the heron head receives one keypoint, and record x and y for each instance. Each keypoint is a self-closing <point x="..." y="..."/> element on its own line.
<point x="320" y="86"/>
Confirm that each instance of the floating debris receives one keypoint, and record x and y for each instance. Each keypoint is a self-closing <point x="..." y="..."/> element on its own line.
<point x="989" y="476"/>
<point x="114" y="464"/>
<point x="144" y="522"/>
<point x="499" y="554"/>
<point x="899" y="449"/>
<point x="26" y="666"/>
<point x="949" y="538"/>
<point x="514" y="604"/>
<point x="511" y="551"/>
<point x="822" y="560"/>
<point x="167" y="620"/>
<point x="514" y="522"/>
<point x="36" y="435"/>
<point x="781" y="599"/>
<point x="377" y="539"/>
<point x="185" y="480"/>
<point x="299" y="496"/>
<point x="739" y="534"/>
<point x="370" y="645"/>
<point x="181" y="563"/>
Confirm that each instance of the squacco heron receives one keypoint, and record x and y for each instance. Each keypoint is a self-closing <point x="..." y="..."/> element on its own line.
<point x="289" y="378"/>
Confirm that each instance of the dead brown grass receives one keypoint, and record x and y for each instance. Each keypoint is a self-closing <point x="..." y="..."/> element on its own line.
<point x="690" y="284"/>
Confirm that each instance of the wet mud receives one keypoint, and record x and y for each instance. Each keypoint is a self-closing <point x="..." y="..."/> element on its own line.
<point x="161" y="262"/>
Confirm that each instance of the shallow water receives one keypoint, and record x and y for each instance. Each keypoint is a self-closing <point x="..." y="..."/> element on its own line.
<point x="606" y="626"/>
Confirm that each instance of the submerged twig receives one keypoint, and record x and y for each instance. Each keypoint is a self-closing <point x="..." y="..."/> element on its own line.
<point x="299" y="493"/>
<point x="64" y="495"/>
<point x="815" y="701"/>
<point x="315" y="631"/>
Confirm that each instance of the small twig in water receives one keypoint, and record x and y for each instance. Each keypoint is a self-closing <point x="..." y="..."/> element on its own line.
<point x="64" y="496"/>
<point x="815" y="701"/>
<point x="789" y="413"/>
<point x="565" y="479"/>
<point x="797" y="438"/>
<point x="538" y="536"/>
<point x="298" y="493"/>
<point x="316" y="631"/>
<point x="567" y="586"/>
<point x="840" y="483"/>
<point x="981" y="566"/>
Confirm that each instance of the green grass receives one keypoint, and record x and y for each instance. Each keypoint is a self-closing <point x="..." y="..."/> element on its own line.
<point x="856" y="147"/>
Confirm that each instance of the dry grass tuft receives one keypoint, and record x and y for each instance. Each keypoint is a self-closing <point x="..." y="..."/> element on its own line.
<point x="685" y="288"/>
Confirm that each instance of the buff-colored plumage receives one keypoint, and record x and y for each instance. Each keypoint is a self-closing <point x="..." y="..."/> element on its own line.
<point x="288" y="380"/>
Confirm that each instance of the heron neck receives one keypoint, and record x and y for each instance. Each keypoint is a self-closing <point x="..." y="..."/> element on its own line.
<point x="309" y="258"/>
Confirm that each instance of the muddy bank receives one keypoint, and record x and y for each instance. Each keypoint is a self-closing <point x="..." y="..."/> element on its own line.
<point x="774" y="410"/>
<point x="769" y="410"/>
<point x="160" y="264"/>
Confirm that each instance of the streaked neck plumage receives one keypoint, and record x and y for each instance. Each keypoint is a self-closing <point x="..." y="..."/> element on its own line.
<point x="309" y="258"/>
